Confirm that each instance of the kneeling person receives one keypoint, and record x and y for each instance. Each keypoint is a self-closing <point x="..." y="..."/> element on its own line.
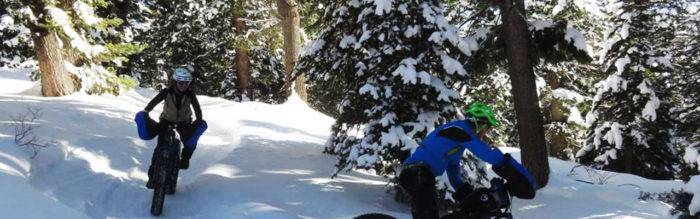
<point x="442" y="151"/>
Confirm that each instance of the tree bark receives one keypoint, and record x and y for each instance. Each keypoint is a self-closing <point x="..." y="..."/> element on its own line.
<point x="300" y="87"/>
<point x="289" y="13"/>
<point x="69" y="54"/>
<point x="556" y="110"/>
<point x="557" y="140"/>
<point x="527" y="109"/>
<point x="55" y="78"/>
<point x="242" y="62"/>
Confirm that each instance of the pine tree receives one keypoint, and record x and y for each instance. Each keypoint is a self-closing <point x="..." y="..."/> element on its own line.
<point x="136" y="17"/>
<point x="489" y="81"/>
<point x="630" y="124"/>
<point x="558" y="72"/>
<point x="74" y="32"/>
<point x="242" y="59"/>
<point x="551" y="43"/>
<point x="493" y="87"/>
<point x="310" y="12"/>
<point x="391" y="68"/>
<point x="201" y="34"/>
<point x="565" y="86"/>
<point x="684" y="84"/>
<point x="290" y="20"/>
<point x="15" y="39"/>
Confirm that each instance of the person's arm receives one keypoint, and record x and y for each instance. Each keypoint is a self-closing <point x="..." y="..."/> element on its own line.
<point x="485" y="152"/>
<point x="520" y="183"/>
<point x="477" y="147"/>
<point x="195" y="105"/>
<point x="156" y="100"/>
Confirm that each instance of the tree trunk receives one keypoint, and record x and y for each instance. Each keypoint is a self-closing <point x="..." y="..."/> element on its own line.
<point x="557" y="140"/>
<point x="55" y="78"/>
<point x="556" y="110"/>
<point x="300" y="87"/>
<point x="529" y="117"/>
<point x="69" y="54"/>
<point x="242" y="62"/>
<point x="289" y="12"/>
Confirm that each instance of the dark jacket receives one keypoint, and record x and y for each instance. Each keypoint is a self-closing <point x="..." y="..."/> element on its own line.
<point x="177" y="106"/>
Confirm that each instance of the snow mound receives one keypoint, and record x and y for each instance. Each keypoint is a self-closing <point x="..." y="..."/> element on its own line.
<point x="15" y="81"/>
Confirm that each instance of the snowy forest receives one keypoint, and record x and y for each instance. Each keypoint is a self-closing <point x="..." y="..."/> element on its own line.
<point x="313" y="105"/>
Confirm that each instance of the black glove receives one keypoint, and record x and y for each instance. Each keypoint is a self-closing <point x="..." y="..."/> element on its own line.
<point x="499" y="192"/>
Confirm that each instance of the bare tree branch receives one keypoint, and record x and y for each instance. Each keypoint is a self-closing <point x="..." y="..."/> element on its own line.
<point x="25" y="124"/>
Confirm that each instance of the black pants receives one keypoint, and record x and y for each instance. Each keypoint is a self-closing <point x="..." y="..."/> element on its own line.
<point x="419" y="182"/>
<point x="185" y="129"/>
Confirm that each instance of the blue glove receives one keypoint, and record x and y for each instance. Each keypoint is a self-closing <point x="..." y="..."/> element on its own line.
<point x="140" y="120"/>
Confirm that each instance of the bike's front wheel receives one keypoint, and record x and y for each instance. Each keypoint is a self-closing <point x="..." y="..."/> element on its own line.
<point x="160" y="185"/>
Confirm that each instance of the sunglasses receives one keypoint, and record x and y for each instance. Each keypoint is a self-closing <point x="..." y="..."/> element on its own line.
<point x="183" y="83"/>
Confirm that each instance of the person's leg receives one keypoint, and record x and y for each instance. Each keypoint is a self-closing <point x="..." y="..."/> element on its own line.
<point x="419" y="182"/>
<point x="152" y="127"/>
<point x="156" y="128"/>
<point x="186" y="130"/>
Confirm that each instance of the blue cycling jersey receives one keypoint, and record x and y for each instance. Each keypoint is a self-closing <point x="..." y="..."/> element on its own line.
<point x="443" y="148"/>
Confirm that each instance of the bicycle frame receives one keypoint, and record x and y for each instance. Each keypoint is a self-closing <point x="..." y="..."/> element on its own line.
<point x="493" y="204"/>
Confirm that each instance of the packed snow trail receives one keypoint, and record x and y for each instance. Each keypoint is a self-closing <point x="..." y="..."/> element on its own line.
<point x="255" y="161"/>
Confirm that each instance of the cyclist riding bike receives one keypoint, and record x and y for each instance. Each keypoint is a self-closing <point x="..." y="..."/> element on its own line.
<point x="442" y="151"/>
<point x="180" y="100"/>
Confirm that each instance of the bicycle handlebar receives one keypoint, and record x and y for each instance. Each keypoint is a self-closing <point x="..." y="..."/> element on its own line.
<point x="499" y="193"/>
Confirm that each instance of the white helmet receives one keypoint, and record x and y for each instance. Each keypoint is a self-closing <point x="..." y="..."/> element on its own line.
<point x="182" y="74"/>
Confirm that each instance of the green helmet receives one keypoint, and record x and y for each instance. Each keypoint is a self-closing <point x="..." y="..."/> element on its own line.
<point x="479" y="110"/>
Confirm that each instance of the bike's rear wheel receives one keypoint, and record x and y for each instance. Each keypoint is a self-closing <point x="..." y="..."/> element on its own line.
<point x="374" y="216"/>
<point x="477" y="215"/>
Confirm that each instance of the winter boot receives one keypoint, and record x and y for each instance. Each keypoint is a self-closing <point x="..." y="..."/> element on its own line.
<point x="185" y="160"/>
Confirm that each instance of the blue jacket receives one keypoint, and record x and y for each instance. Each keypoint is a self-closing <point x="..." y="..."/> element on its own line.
<point x="443" y="148"/>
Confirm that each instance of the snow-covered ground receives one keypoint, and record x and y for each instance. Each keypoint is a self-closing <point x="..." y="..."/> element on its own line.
<point x="255" y="161"/>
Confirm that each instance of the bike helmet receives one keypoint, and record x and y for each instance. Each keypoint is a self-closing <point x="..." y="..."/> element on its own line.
<point x="182" y="74"/>
<point x="481" y="111"/>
